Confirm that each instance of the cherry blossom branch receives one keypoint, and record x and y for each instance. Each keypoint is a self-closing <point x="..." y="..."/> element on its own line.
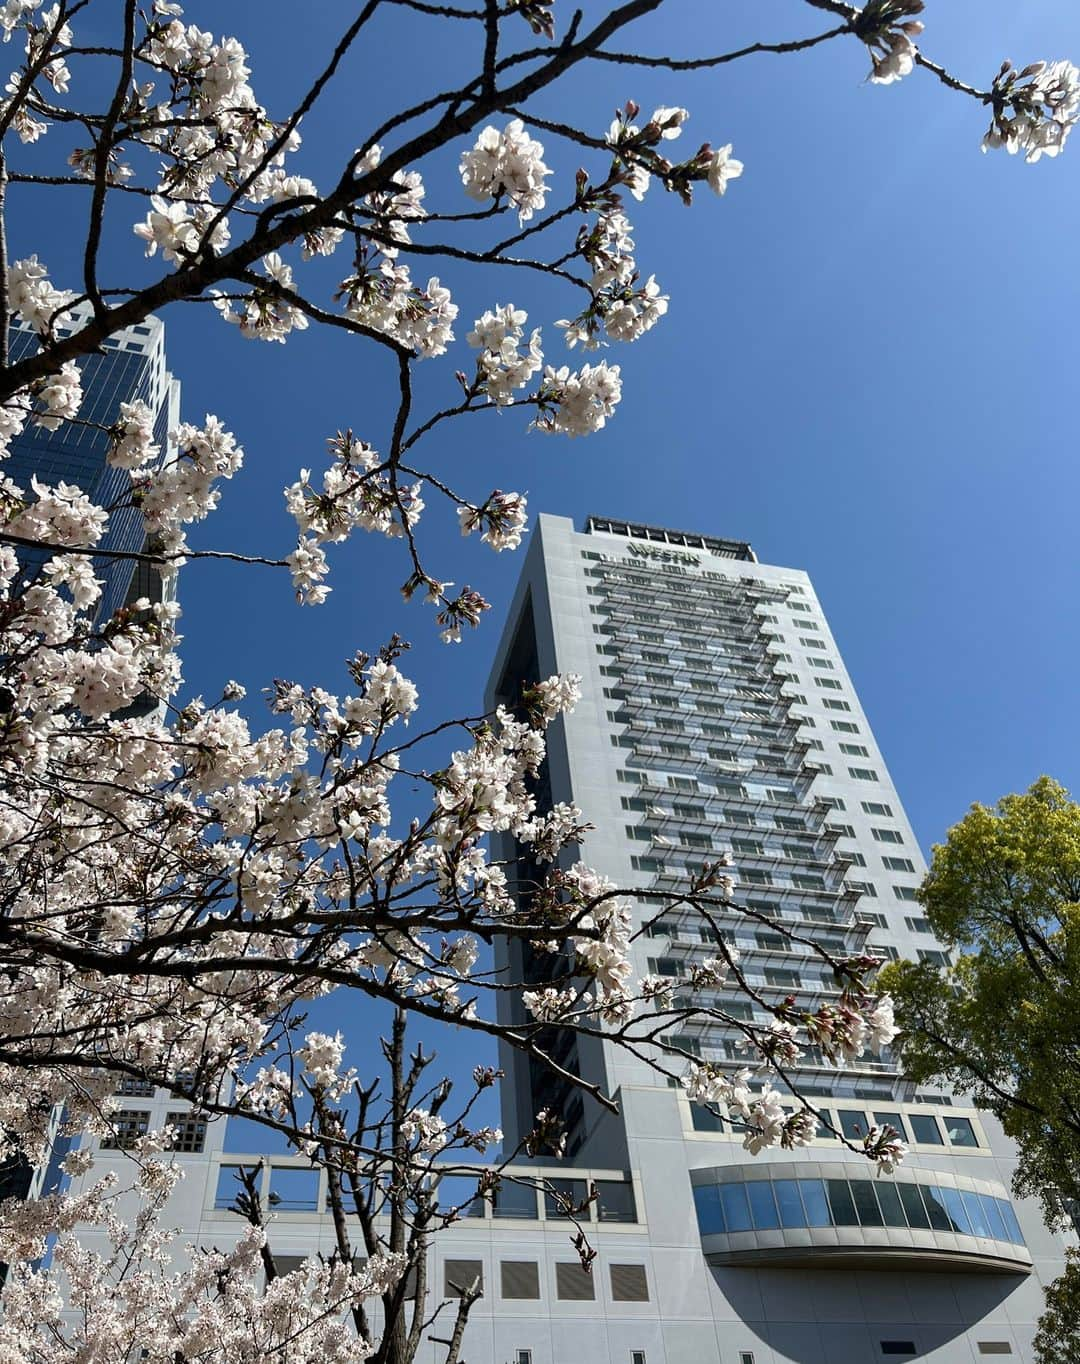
<point x="701" y="63"/>
<point x="101" y="159"/>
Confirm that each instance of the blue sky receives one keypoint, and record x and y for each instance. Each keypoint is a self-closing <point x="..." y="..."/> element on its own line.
<point x="867" y="371"/>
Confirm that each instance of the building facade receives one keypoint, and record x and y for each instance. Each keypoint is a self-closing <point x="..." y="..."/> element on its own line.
<point x="716" y="716"/>
<point x="132" y="365"/>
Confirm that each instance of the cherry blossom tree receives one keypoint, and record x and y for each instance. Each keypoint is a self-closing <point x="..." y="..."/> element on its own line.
<point x="177" y="888"/>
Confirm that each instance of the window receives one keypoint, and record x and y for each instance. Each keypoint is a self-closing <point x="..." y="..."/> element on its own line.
<point x="898" y="863"/>
<point x="188" y="1131"/>
<point x="815" y="744"/>
<point x="862" y="773"/>
<point x="878" y="920"/>
<point x="995" y="1347"/>
<point x="573" y="1283"/>
<point x="460" y="1192"/>
<point x="960" y="1131"/>
<point x="917" y="924"/>
<point x="853" y="1125"/>
<point x="293" y="1189"/>
<point x="876" y="807"/>
<point x="894" y="1120"/>
<point x="844" y="726"/>
<point x="889" y="952"/>
<point x="844" y="830"/>
<point x="704" y="1119"/>
<point x="829" y="683"/>
<point x="695" y="840"/>
<point x="825" y="663"/>
<point x="832" y="802"/>
<point x="460" y="1275"/>
<point x="523" y="1357"/>
<point x="855" y="858"/>
<point x="746" y="1357"/>
<point x="897" y="1347"/>
<point x="289" y="1264"/>
<point x="886" y="835"/>
<point x="809" y="643"/>
<point x="228" y="1186"/>
<point x="855" y="750"/>
<point x="563" y="1191"/>
<point x="822" y="769"/>
<point x="520" y="1279"/>
<point x="128" y="1125"/>
<point x="908" y="893"/>
<point x="785" y="980"/>
<point x="924" y="1129"/>
<point x="647" y="864"/>
<point x="515" y="1200"/>
<point x="629" y="1284"/>
<point x="615" y="1201"/>
<point x="768" y="1204"/>
<point x="866" y="888"/>
<point x="832" y="704"/>
<point x="637" y="1357"/>
<point x="133" y="1087"/>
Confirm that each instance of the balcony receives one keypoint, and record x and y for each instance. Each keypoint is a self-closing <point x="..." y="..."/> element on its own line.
<point x="835" y="1213"/>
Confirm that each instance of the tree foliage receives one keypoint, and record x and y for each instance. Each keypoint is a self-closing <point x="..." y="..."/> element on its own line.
<point x="1002" y="1021"/>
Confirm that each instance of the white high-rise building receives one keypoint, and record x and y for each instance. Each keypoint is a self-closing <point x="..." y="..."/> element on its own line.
<point x="717" y="716"/>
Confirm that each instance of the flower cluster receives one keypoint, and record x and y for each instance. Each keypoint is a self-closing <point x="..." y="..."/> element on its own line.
<point x="62" y="395"/>
<point x="381" y="296"/>
<point x="887" y="27"/>
<point x="501" y="368"/>
<point x="507" y="163"/>
<point x="267" y="314"/>
<point x="765" y="1121"/>
<point x="500" y="520"/>
<point x="577" y="403"/>
<point x="32" y="297"/>
<point x="1034" y="109"/>
<point x="212" y="1304"/>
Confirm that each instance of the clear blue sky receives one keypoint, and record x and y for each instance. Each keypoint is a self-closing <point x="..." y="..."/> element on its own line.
<point x="867" y="370"/>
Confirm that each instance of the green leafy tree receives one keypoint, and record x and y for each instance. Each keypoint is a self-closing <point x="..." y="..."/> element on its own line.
<point x="1003" y="1022"/>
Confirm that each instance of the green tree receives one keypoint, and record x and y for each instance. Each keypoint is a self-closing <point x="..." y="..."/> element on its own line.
<point x="1003" y="1022"/>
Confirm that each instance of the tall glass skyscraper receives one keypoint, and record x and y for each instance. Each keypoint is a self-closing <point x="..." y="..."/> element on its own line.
<point x="132" y="366"/>
<point x="717" y="715"/>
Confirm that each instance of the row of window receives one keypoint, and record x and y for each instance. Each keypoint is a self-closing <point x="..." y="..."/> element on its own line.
<point x="923" y="1128"/>
<point x="519" y="1280"/>
<point x="188" y="1130"/>
<point x="773" y="1204"/>
<point x="867" y="888"/>
<point x="295" y="1189"/>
